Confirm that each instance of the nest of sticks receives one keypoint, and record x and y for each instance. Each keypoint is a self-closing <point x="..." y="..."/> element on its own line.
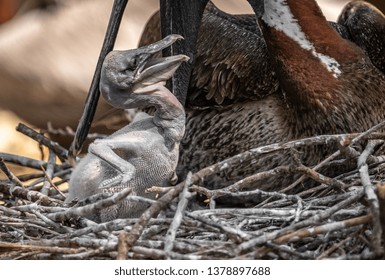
<point x="338" y="218"/>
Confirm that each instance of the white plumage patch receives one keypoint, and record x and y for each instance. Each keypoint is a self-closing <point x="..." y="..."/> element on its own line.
<point x="279" y="16"/>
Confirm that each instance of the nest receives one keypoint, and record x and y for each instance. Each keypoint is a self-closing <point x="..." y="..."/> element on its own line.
<point x="338" y="218"/>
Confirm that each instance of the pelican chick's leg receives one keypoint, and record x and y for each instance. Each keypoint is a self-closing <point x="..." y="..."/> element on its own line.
<point x="104" y="149"/>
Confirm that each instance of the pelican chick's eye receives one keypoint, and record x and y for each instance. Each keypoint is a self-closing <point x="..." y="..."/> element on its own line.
<point x="132" y="64"/>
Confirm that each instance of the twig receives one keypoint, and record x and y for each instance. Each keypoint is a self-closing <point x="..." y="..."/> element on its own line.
<point x="115" y="225"/>
<point x="10" y="212"/>
<point x="252" y="153"/>
<point x="160" y="254"/>
<point x="238" y="186"/>
<point x="28" y="162"/>
<point x="37" y="207"/>
<point x="288" y="250"/>
<point x="9" y="174"/>
<point x="311" y="173"/>
<point x="26" y="247"/>
<point x="381" y="200"/>
<point x="51" y="183"/>
<point x="41" y="139"/>
<point x="11" y="189"/>
<point x="158" y="190"/>
<point x="90" y="209"/>
<point x="257" y="194"/>
<point x="122" y="246"/>
<point x="48" y="173"/>
<point x="319" y="217"/>
<point x="307" y="232"/>
<point x="332" y="249"/>
<point x="153" y="210"/>
<point x="344" y="142"/>
<point x="68" y="131"/>
<point x="183" y="200"/>
<point x="50" y="223"/>
<point x="371" y="197"/>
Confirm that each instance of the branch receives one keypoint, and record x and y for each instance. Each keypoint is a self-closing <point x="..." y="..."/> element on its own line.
<point x="41" y="139"/>
<point x="90" y="209"/>
<point x="371" y="197"/>
<point x="183" y="200"/>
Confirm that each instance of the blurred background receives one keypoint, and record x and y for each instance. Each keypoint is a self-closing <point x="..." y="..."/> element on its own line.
<point x="48" y="52"/>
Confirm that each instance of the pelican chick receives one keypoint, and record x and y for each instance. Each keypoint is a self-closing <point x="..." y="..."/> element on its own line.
<point x="144" y="153"/>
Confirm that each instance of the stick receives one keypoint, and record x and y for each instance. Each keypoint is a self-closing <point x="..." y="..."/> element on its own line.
<point x="49" y="173"/>
<point x="90" y="209"/>
<point x="323" y="229"/>
<point x="183" y="200"/>
<point x="11" y="189"/>
<point x="41" y="139"/>
<point x="371" y="197"/>
<point x="9" y="174"/>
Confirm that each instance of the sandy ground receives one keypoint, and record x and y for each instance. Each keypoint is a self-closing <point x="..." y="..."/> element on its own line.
<point x="11" y="140"/>
<point x="16" y="143"/>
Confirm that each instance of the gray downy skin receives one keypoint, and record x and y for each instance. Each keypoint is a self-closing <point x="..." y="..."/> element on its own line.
<point x="144" y="153"/>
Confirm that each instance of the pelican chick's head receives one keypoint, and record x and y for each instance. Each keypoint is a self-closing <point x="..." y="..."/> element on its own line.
<point x="124" y="72"/>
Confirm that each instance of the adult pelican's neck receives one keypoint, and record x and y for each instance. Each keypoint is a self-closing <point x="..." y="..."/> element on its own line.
<point x="303" y="22"/>
<point x="305" y="50"/>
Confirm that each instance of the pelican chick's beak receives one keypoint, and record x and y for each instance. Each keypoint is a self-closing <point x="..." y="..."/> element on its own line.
<point x="125" y="71"/>
<point x="153" y="69"/>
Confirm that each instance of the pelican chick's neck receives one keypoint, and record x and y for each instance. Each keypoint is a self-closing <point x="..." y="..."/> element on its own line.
<point x="169" y="114"/>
